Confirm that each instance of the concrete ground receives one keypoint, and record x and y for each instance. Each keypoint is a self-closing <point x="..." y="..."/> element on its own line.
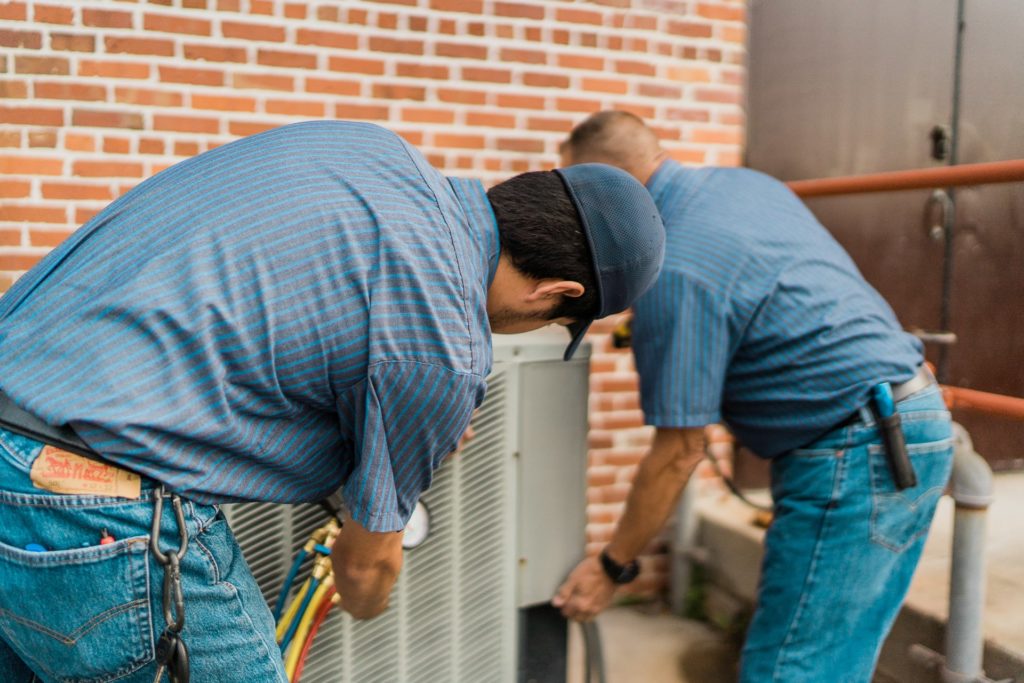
<point x="645" y="644"/>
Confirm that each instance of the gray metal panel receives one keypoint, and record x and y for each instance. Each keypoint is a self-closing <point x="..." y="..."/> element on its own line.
<point x="553" y="475"/>
<point x="988" y="273"/>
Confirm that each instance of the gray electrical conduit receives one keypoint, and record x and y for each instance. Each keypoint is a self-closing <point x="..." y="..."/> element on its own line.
<point x="594" y="660"/>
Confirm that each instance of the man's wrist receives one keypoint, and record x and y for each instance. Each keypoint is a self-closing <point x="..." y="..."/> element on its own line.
<point x="616" y="572"/>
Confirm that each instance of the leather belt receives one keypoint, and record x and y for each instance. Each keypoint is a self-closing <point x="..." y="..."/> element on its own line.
<point x="15" y="419"/>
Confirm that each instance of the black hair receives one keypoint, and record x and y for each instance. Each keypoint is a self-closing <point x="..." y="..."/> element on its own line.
<point x="542" y="235"/>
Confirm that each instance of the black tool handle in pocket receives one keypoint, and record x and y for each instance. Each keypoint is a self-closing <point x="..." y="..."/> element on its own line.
<point x="896" y="451"/>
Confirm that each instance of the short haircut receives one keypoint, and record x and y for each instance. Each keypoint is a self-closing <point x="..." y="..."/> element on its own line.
<point x="542" y="235"/>
<point x="612" y="137"/>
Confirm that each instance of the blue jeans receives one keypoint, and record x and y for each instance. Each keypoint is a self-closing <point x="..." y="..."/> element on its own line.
<point x="842" y="548"/>
<point x="86" y="612"/>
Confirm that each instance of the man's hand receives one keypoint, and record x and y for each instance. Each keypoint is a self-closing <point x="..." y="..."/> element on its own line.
<point x="366" y="565"/>
<point x="586" y="592"/>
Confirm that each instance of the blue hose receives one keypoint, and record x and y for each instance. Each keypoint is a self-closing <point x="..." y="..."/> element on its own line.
<point x="313" y="583"/>
<point x="289" y="580"/>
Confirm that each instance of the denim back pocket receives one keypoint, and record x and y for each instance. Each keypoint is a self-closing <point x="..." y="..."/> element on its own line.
<point x="55" y="619"/>
<point x="900" y="518"/>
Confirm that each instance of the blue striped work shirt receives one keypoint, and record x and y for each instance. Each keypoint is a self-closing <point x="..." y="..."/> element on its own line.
<point x="759" y="317"/>
<point x="293" y="311"/>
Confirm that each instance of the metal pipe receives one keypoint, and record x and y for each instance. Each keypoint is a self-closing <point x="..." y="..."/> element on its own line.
<point x="972" y="491"/>
<point x="983" y="402"/>
<point x="944" y="176"/>
<point x="683" y="545"/>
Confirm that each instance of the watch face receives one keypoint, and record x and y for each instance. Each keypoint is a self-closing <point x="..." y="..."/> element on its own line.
<point x="418" y="527"/>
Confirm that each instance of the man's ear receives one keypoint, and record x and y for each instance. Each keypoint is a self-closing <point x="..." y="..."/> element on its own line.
<point x="550" y="289"/>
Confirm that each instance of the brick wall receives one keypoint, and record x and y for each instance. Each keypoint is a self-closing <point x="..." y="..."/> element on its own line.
<point x="99" y="95"/>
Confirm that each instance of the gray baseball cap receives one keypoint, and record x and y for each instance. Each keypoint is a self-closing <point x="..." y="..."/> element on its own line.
<point x="625" y="235"/>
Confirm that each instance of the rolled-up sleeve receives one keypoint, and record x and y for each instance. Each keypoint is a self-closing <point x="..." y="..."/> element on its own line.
<point x="407" y="416"/>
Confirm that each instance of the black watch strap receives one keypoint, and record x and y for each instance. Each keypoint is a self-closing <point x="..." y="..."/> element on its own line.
<point x="619" y="573"/>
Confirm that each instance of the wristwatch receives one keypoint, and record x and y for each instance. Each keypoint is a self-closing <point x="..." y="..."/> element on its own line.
<point x="619" y="573"/>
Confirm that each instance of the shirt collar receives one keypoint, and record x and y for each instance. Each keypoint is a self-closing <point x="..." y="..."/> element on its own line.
<point x="670" y="179"/>
<point x="480" y="215"/>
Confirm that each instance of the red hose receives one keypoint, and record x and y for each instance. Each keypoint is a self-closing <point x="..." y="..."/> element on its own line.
<point x="321" y="615"/>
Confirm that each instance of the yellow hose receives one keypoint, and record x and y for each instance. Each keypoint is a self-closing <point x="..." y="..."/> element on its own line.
<point x="299" y="639"/>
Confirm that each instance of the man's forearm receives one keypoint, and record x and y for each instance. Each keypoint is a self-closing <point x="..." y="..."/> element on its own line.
<point x="659" y="480"/>
<point x="364" y="589"/>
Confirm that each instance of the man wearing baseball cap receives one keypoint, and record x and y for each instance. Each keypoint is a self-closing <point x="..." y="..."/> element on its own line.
<point x="301" y="310"/>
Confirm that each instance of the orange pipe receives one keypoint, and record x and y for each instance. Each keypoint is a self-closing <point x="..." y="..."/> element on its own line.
<point x="983" y="402"/>
<point x="944" y="176"/>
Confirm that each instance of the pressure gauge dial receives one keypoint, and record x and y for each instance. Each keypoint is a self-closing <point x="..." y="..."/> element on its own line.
<point x="418" y="527"/>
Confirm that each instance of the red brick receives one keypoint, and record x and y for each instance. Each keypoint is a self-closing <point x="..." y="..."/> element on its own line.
<point x="733" y="34"/>
<point x="605" y="85"/>
<point x="194" y="4"/>
<point x="332" y="86"/>
<point x="421" y="71"/>
<point x="107" y="69"/>
<point x="68" y="42"/>
<point x="733" y="13"/>
<point x="151" y="146"/>
<point x="470" y="73"/>
<point x="41" y="65"/>
<point x="554" y="125"/>
<point x="689" y="29"/>
<point x="85" y="214"/>
<point x="77" y="142"/>
<point x="520" y="101"/>
<point x="560" y="37"/>
<point x="14" y="90"/>
<point x="658" y="90"/>
<point x="428" y="115"/>
<point x="458" y="141"/>
<point x="448" y="27"/>
<point x="713" y="95"/>
<point x="346" y="41"/>
<point x="222" y="103"/>
<point x="216" y="53"/>
<point x="246" y="31"/>
<point x="69" y="91"/>
<point x="525" y="56"/>
<point x="388" y="91"/>
<point x="716" y="136"/>
<point x="34" y="214"/>
<point x="405" y="47"/>
<point x="581" y="62"/>
<point x="688" y="156"/>
<point x="10" y="238"/>
<point x="148" y="97"/>
<point x="295" y="108"/>
<point x="15" y="188"/>
<point x="627" y="66"/>
<point x="261" y="7"/>
<point x="185" y="149"/>
<point x="353" y="65"/>
<point x="106" y="119"/>
<point x="293" y="60"/>
<point x="518" y="10"/>
<point x="419" y="24"/>
<point x="18" y="261"/>
<point x="296" y="10"/>
<point x="170" y="74"/>
<point x="106" y="18"/>
<point x="185" y="124"/>
<point x="32" y="116"/>
<point x="243" y="128"/>
<point x="476" y="118"/>
<point x="543" y="80"/>
<point x="263" y="82"/>
<point x="139" y="46"/>
<point x="176" y="24"/>
<point x="410" y="3"/>
<point x="521" y="145"/>
<point x="460" y="50"/>
<point x="688" y="74"/>
<point x="360" y="111"/>
<point x="42" y="138"/>
<point x="579" y="16"/>
<point x="461" y="96"/>
<point x="59" y="190"/>
<point x="21" y="39"/>
<point x="16" y="11"/>
<point x="468" y="6"/>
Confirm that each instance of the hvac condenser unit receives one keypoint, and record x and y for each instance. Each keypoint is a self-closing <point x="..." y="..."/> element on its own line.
<point x="505" y="524"/>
